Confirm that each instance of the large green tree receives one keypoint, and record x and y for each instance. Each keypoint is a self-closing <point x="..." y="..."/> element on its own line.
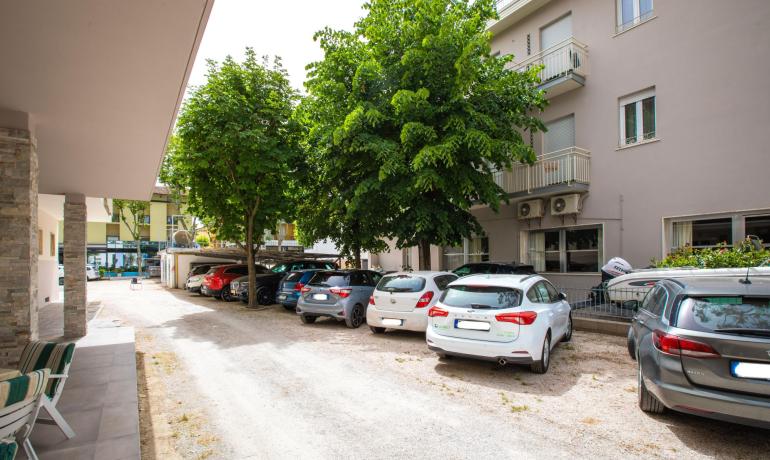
<point x="425" y="114"/>
<point x="237" y="143"/>
<point x="340" y="196"/>
<point x="133" y="214"/>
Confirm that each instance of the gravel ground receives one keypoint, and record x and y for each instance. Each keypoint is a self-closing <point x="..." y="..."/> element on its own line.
<point x="228" y="382"/>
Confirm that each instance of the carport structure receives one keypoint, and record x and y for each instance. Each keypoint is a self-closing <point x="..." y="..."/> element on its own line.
<point x="89" y="92"/>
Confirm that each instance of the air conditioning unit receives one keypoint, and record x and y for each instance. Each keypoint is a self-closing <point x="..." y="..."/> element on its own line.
<point x="530" y="209"/>
<point x="565" y="204"/>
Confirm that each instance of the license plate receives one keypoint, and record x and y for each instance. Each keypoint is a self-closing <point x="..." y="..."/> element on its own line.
<point x="471" y="325"/>
<point x="392" y="322"/>
<point x="750" y="370"/>
<point x="320" y="296"/>
<point x="281" y="296"/>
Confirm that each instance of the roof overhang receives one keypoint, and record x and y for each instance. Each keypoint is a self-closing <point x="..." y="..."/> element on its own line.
<point x="100" y="83"/>
<point x="512" y="12"/>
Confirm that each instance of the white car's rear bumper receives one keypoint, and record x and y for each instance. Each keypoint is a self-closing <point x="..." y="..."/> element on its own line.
<point x="522" y="350"/>
<point x="416" y="320"/>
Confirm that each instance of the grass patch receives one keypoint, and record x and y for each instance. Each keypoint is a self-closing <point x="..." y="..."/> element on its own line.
<point x="517" y="409"/>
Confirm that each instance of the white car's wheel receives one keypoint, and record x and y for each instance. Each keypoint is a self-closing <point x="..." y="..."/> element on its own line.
<point x="541" y="366"/>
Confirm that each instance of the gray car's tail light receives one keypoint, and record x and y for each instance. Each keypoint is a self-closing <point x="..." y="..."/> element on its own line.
<point x="675" y="345"/>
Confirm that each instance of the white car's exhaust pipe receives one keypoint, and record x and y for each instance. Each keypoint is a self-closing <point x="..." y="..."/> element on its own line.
<point x="502" y="361"/>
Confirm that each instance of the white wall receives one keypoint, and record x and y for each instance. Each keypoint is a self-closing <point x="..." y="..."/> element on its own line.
<point x="48" y="261"/>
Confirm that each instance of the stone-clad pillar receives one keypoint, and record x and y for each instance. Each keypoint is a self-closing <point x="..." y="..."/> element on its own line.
<point x="75" y="265"/>
<point x="18" y="243"/>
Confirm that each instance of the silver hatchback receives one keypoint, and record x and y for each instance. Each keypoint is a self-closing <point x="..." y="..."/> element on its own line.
<point x="703" y="347"/>
<point x="339" y="294"/>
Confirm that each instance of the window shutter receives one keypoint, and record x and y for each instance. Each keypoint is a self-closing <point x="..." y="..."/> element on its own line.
<point x="560" y="134"/>
<point x="556" y="32"/>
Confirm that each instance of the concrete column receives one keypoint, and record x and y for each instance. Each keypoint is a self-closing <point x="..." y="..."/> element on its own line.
<point x="75" y="301"/>
<point x="18" y="243"/>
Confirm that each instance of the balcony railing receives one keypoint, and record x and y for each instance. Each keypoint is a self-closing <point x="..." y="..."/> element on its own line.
<point x="569" y="57"/>
<point x="563" y="167"/>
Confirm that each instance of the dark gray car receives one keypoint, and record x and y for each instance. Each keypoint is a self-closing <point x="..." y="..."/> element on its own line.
<point x="340" y="294"/>
<point x="703" y="347"/>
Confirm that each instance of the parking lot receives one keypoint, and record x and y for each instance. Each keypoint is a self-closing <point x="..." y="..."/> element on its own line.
<point x="222" y="381"/>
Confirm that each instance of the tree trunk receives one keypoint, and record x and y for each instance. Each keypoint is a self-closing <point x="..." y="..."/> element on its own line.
<point x="139" y="257"/>
<point x="250" y="264"/>
<point x="424" y="254"/>
<point x="357" y="256"/>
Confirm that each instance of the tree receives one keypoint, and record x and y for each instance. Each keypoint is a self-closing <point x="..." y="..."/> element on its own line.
<point x="203" y="240"/>
<point x="435" y="112"/>
<point x="237" y="145"/>
<point x="340" y="196"/>
<point x="176" y="188"/>
<point x="133" y="213"/>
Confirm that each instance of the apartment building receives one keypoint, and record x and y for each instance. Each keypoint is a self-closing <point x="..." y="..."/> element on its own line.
<point x="655" y="139"/>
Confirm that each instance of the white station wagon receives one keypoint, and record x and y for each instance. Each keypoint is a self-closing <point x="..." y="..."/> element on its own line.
<point x="511" y="319"/>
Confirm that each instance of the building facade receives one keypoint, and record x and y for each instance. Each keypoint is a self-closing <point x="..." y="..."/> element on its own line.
<point x="655" y="120"/>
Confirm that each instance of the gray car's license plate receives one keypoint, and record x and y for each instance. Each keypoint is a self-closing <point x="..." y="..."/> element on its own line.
<point x="745" y="370"/>
<point x="320" y="296"/>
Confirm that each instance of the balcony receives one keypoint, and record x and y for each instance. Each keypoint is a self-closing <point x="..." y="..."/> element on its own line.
<point x="565" y="67"/>
<point x="511" y="11"/>
<point x="556" y="172"/>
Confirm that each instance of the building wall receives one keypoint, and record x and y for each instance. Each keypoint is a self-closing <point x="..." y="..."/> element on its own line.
<point x="712" y="104"/>
<point x="158" y="216"/>
<point x="96" y="233"/>
<point x="48" y="259"/>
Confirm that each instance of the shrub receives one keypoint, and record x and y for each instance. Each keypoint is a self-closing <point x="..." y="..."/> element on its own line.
<point x="742" y="254"/>
<point x="203" y="240"/>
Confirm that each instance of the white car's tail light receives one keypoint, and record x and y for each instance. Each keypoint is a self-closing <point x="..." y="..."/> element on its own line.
<point x="523" y="318"/>
<point x="424" y="300"/>
<point x="436" y="311"/>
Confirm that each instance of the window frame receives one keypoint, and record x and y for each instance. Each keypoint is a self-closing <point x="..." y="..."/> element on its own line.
<point x="637" y="18"/>
<point x="467" y="255"/>
<point x="637" y="99"/>
<point x="563" y="251"/>
<point x="739" y="227"/>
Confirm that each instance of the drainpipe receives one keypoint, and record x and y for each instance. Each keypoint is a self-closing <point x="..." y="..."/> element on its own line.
<point x="620" y="202"/>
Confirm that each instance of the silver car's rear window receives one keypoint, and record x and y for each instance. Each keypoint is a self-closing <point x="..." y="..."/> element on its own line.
<point x="732" y="314"/>
<point x="330" y="279"/>
<point x="401" y="283"/>
<point x="486" y="297"/>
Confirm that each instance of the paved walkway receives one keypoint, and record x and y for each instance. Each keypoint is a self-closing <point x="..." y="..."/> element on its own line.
<point x="100" y="397"/>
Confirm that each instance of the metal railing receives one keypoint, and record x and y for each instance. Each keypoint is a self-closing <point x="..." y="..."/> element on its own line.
<point x="565" y="166"/>
<point x="567" y="57"/>
<point x="602" y="304"/>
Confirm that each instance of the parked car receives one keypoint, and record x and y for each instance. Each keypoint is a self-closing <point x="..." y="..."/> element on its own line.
<point x="91" y="274"/>
<point x="511" y="319"/>
<point x="702" y="347"/>
<point x="402" y="300"/>
<point x="338" y="294"/>
<point x="216" y="282"/>
<point x="291" y="286"/>
<point x="492" y="268"/>
<point x="195" y="277"/>
<point x="267" y="283"/>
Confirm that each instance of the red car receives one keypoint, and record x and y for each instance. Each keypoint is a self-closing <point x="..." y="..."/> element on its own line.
<point x="216" y="282"/>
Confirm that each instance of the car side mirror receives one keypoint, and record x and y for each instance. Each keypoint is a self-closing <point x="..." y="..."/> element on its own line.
<point x="562" y="296"/>
<point x="631" y="305"/>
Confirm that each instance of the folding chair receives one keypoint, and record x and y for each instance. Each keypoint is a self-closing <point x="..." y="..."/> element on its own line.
<point x="20" y="401"/>
<point x="57" y="357"/>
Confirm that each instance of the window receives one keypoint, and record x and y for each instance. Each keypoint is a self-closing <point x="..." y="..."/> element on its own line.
<point x="632" y="12"/>
<point x="52" y="244"/>
<point x="566" y="250"/>
<point x="655" y="301"/>
<point x="402" y="283"/>
<point x="492" y="297"/>
<point x="474" y="249"/>
<point x="702" y="233"/>
<point x="637" y="118"/>
<point x="559" y="134"/>
<point x="759" y="226"/>
<point x="443" y="280"/>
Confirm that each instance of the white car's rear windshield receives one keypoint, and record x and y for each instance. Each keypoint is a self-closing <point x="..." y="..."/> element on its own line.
<point x="730" y="314"/>
<point x="401" y="283"/>
<point x="483" y="297"/>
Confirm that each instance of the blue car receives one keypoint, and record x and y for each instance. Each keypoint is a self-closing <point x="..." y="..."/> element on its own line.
<point x="290" y="287"/>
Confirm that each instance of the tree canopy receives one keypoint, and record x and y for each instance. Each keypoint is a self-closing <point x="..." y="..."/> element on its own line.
<point x="237" y="147"/>
<point x="133" y="213"/>
<point x="410" y="115"/>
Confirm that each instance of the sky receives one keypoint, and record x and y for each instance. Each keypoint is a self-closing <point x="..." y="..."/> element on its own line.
<point x="283" y="28"/>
